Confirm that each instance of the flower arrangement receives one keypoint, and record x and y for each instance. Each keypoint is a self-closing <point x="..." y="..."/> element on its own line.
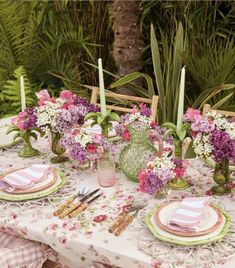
<point x="85" y="146"/>
<point x="158" y="173"/>
<point x="141" y="114"/>
<point x="25" y="123"/>
<point x="214" y="135"/>
<point x="61" y="114"/>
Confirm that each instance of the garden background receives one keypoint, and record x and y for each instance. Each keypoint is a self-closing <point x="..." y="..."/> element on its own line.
<point x="143" y="45"/>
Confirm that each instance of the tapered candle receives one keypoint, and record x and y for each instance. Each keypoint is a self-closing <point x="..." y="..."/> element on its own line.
<point x="102" y="90"/>
<point x="181" y="100"/>
<point x="22" y="94"/>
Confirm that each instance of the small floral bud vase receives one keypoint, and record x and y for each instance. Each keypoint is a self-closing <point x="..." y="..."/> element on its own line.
<point x="106" y="171"/>
<point x="179" y="182"/>
<point x="221" y="176"/>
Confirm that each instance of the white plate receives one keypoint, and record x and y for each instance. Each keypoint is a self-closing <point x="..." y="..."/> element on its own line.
<point x="165" y="236"/>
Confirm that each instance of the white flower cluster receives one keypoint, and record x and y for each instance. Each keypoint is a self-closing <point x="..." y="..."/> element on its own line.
<point x="222" y="123"/>
<point x="161" y="162"/>
<point x="202" y="146"/>
<point x="138" y="117"/>
<point x="83" y="138"/>
<point x="47" y="113"/>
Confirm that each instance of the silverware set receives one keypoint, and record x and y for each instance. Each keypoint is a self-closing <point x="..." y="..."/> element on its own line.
<point x="72" y="207"/>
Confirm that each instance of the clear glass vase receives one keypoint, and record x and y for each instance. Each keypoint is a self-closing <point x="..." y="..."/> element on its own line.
<point x="106" y="171"/>
<point x="54" y="141"/>
<point x="134" y="155"/>
<point x="221" y="176"/>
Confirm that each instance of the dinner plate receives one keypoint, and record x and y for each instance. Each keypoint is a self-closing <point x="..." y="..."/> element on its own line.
<point x="38" y="186"/>
<point x="7" y="140"/>
<point x="60" y="181"/>
<point x="210" y="222"/>
<point x="166" y="236"/>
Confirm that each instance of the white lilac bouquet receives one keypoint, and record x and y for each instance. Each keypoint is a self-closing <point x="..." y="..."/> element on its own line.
<point x="85" y="146"/>
<point x="61" y="114"/>
<point x="158" y="173"/>
<point x="214" y="135"/>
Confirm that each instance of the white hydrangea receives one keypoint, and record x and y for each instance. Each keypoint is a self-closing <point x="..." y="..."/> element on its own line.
<point x="231" y="130"/>
<point x="84" y="138"/>
<point x="162" y="162"/>
<point x="202" y="146"/>
<point x="47" y="113"/>
<point x="138" y="117"/>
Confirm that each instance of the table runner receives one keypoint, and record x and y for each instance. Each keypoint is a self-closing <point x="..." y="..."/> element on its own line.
<point x="86" y="242"/>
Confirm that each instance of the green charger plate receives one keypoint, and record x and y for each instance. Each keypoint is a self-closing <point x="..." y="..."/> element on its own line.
<point x="180" y="240"/>
<point x="22" y="197"/>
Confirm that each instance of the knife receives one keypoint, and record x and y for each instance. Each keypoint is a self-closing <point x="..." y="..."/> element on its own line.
<point x="73" y="206"/>
<point x="83" y="206"/>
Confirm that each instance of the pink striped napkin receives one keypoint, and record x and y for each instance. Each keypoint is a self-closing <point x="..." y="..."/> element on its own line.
<point x="25" y="178"/>
<point x="190" y="213"/>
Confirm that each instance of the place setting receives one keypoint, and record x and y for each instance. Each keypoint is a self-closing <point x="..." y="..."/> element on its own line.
<point x="32" y="182"/>
<point x="189" y="222"/>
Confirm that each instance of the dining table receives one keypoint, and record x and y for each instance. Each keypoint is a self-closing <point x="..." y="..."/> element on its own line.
<point x="85" y="241"/>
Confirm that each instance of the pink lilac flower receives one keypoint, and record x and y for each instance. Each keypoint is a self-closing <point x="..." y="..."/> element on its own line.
<point x="192" y="115"/>
<point x="26" y="119"/>
<point x="203" y="125"/>
<point x="43" y="96"/>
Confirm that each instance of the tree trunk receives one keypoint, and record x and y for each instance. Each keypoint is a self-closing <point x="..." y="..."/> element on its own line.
<point x="127" y="39"/>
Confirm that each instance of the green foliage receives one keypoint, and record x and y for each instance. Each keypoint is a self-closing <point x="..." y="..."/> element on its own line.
<point x="51" y="40"/>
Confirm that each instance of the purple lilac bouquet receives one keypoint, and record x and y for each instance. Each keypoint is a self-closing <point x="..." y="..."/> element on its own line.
<point x="85" y="146"/>
<point x="158" y="173"/>
<point x="214" y="135"/>
<point x="61" y="114"/>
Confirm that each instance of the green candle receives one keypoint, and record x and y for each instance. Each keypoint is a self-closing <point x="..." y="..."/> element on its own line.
<point x="102" y="90"/>
<point x="181" y="100"/>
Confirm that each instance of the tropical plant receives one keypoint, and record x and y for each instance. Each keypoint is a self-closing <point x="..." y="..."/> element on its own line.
<point x="213" y="70"/>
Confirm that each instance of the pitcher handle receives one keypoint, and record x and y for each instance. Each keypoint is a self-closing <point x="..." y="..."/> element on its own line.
<point x="160" y="145"/>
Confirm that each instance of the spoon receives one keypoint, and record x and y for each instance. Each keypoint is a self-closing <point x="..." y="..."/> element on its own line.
<point x="83" y="191"/>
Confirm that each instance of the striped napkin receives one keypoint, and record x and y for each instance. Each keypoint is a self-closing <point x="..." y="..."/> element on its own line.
<point x="190" y="214"/>
<point x="25" y="178"/>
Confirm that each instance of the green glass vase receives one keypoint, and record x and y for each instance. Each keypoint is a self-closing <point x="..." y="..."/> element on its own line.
<point x="221" y="176"/>
<point x="54" y="141"/>
<point x="134" y="155"/>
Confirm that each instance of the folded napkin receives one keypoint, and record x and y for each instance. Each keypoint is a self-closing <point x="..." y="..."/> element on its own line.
<point x="190" y="214"/>
<point x="25" y="178"/>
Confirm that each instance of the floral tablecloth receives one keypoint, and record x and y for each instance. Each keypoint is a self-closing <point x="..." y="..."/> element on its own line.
<point x="85" y="241"/>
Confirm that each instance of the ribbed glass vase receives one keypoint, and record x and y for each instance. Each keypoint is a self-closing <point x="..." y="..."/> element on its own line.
<point x="134" y="155"/>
